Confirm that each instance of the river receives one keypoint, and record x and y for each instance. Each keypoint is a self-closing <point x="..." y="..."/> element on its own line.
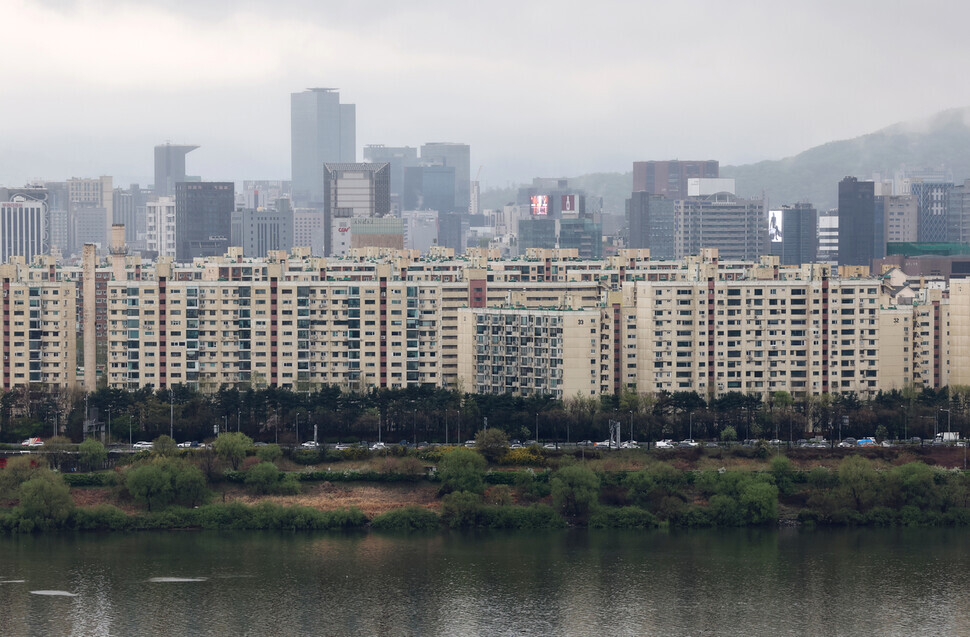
<point x="743" y="582"/>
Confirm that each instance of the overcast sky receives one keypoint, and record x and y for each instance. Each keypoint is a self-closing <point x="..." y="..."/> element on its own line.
<point x="554" y="88"/>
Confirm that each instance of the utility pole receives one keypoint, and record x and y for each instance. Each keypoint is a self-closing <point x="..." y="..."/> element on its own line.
<point x="171" y="413"/>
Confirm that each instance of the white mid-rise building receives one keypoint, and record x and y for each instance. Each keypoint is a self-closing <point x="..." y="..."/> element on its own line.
<point x="161" y="226"/>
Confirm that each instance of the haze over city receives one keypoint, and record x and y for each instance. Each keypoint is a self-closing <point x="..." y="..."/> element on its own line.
<point x="540" y="88"/>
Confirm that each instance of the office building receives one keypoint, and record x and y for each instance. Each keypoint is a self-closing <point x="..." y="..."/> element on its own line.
<point x="430" y="188"/>
<point x="861" y="227"/>
<point x="900" y="218"/>
<point x="353" y="190"/>
<point x="457" y="156"/>
<point x="203" y="218"/>
<point x="170" y="167"/>
<point x="90" y="194"/>
<point x="259" y="231"/>
<point x="420" y="230"/>
<point x="23" y="224"/>
<point x="736" y="227"/>
<point x="581" y="234"/>
<point x="651" y="224"/>
<point x="798" y="232"/>
<point x="670" y="178"/>
<point x="398" y="159"/>
<point x="90" y="227"/>
<point x="451" y="232"/>
<point x="932" y="200"/>
<point x="322" y="130"/>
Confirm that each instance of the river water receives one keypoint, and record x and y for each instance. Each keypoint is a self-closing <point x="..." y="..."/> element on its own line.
<point x="743" y="582"/>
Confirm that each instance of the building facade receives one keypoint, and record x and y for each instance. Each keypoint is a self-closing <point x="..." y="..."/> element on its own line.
<point x="322" y="130"/>
<point x="670" y="178"/>
<point x="203" y="218"/>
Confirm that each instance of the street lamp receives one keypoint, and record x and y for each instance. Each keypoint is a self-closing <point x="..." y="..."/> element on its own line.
<point x="414" y="427"/>
<point x="947" y="419"/>
<point x="225" y="423"/>
<point x="537" y="427"/>
<point x="631" y="427"/>
<point x="171" y="413"/>
<point x="690" y="431"/>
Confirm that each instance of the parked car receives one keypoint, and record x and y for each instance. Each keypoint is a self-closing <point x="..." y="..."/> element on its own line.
<point x="688" y="442"/>
<point x="378" y="446"/>
<point x="311" y="444"/>
<point x="143" y="444"/>
<point x="340" y="446"/>
<point x="665" y="444"/>
<point x="470" y="444"/>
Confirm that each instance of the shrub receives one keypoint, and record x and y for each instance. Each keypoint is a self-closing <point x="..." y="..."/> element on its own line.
<point x="524" y="457"/>
<point x="461" y="509"/>
<point x="499" y="494"/>
<point x="45" y="501"/>
<point x="266" y="478"/>
<point x="760" y="502"/>
<point x="165" y="447"/>
<point x="269" y="453"/>
<point x="102" y="517"/>
<point x="149" y="485"/>
<point x="408" y="519"/>
<point x="622" y="518"/>
<point x="784" y="474"/>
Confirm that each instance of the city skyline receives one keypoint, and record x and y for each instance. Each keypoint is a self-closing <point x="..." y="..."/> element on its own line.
<point x="571" y="100"/>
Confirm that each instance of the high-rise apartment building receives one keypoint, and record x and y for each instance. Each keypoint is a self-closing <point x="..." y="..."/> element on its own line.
<point x="203" y="218"/>
<point x="170" y="167"/>
<point x="862" y="235"/>
<point x="457" y="156"/>
<point x="353" y="190"/>
<point x="160" y="227"/>
<point x="322" y="130"/>
<point x="669" y="178"/>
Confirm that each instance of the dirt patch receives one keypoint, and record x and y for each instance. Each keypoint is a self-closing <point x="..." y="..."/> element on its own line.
<point x="370" y="498"/>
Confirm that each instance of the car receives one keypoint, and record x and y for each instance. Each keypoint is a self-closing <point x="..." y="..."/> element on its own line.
<point x="515" y="441"/>
<point x="378" y="446"/>
<point x="260" y="444"/>
<point x="549" y="445"/>
<point x="665" y="444"/>
<point x="585" y="443"/>
<point x="184" y="445"/>
<point x="529" y="443"/>
<point x="142" y="445"/>
<point x="470" y="443"/>
<point x="341" y="446"/>
<point x="688" y="442"/>
<point x="606" y="443"/>
<point x="711" y="445"/>
<point x="516" y="446"/>
<point x="32" y="442"/>
<point x="311" y="444"/>
<point x="629" y="444"/>
<point x="775" y="441"/>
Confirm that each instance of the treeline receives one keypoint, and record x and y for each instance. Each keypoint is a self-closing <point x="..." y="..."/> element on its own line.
<point x="439" y="415"/>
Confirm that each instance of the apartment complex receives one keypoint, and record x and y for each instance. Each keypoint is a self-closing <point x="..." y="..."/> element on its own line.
<point x="548" y="323"/>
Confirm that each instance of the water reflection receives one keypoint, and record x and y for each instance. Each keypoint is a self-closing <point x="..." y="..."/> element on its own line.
<point x="744" y="582"/>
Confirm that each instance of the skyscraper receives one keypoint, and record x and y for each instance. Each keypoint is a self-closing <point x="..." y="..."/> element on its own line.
<point x="353" y="190"/>
<point x="651" y="222"/>
<point x="457" y="156"/>
<point x="861" y="231"/>
<point x="799" y="229"/>
<point x="203" y="218"/>
<point x="669" y="178"/>
<point x="322" y="130"/>
<point x="169" y="167"/>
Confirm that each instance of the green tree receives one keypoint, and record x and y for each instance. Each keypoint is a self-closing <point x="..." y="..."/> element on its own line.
<point x="575" y="489"/>
<point x="269" y="453"/>
<point x="45" y="500"/>
<point x="784" y="474"/>
<point x="760" y="502"/>
<point x="19" y="469"/>
<point x="149" y="484"/>
<point x="858" y="480"/>
<point x="189" y="485"/>
<point x="729" y="434"/>
<point x="263" y="478"/>
<point x="58" y="450"/>
<point x="164" y="446"/>
<point x="492" y="444"/>
<point x="91" y="455"/>
<point x="233" y="447"/>
<point x="462" y="470"/>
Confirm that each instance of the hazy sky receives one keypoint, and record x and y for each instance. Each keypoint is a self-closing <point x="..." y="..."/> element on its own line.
<point x="536" y="88"/>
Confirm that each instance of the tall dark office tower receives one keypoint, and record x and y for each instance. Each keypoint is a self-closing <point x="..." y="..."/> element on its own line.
<point x="450" y="232"/>
<point x="203" y="218"/>
<point x="430" y="188"/>
<point x="169" y="167"/>
<point x="799" y="230"/>
<point x="861" y="230"/>
<point x="651" y="223"/>
<point x="457" y="156"/>
<point x="932" y="210"/>
<point x="669" y="178"/>
<point x="322" y="130"/>
<point x="353" y="190"/>
<point x="398" y="159"/>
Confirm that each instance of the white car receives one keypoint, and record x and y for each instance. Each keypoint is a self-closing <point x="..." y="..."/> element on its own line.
<point x="378" y="446"/>
<point x="665" y="444"/>
<point x="689" y="442"/>
<point x="32" y="442"/>
<point x="142" y="444"/>
<point x="310" y="444"/>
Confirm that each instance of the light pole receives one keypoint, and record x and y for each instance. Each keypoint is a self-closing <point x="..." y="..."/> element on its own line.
<point x="947" y="419"/>
<point x="225" y="423"/>
<point x="690" y="430"/>
<point x="109" y="425"/>
<point x="537" y="427"/>
<point x="631" y="427"/>
<point x="171" y="413"/>
<point x="414" y="427"/>
<point x="298" y="429"/>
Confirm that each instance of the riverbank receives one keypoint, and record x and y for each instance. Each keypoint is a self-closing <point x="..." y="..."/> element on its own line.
<point x="458" y="488"/>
